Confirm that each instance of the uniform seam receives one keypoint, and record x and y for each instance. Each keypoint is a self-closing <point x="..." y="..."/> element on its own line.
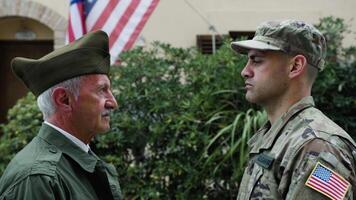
<point x="12" y="186"/>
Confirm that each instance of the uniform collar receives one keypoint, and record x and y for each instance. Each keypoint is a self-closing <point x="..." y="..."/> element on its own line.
<point x="82" y="145"/>
<point x="265" y="137"/>
<point x="66" y="146"/>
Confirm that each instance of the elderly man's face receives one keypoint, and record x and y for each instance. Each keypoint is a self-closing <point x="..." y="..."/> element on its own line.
<point x="95" y="101"/>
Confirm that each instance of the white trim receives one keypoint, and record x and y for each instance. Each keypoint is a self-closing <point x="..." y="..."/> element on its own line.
<point x="79" y="143"/>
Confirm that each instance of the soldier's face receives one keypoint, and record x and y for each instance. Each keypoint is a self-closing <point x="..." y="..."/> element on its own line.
<point x="95" y="101"/>
<point x="266" y="77"/>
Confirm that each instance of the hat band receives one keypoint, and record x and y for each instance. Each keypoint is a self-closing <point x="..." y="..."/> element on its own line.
<point x="287" y="48"/>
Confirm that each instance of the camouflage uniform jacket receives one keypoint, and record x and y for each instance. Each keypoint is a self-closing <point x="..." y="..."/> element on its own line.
<point x="52" y="167"/>
<point x="283" y="155"/>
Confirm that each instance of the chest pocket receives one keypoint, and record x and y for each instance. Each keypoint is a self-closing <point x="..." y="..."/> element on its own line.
<point x="258" y="181"/>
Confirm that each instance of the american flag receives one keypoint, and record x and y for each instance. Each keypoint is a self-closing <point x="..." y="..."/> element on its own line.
<point x="328" y="182"/>
<point x="122" y="20"/>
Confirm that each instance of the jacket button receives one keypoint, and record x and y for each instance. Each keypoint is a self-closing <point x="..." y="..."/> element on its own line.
<point x="113" y="187"/>
<point x="52" y="150"/>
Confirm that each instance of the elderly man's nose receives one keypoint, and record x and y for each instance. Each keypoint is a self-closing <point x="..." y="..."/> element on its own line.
<point x="111" y="103"/>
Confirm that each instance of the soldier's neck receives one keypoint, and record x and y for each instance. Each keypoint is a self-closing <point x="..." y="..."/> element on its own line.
<point x="276" y="109"/>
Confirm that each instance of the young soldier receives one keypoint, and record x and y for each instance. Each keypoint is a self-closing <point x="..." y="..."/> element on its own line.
<point x="300" y="153"/>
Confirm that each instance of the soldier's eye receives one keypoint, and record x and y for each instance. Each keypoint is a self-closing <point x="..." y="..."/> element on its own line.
<point x="257" y="60"/>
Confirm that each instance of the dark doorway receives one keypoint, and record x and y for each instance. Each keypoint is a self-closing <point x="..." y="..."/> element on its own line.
<point x="10" y="87"/>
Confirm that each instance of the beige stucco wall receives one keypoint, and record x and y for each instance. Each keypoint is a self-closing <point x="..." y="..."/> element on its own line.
<point x="175" y="22"/>
<point x="60" y="6"/>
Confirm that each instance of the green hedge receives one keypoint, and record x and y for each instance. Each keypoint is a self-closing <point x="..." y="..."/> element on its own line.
<point x="173" y="103"/>
<point x="182" y="124"/>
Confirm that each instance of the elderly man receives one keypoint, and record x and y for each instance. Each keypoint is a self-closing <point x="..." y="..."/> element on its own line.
<point x="73" y="92"/>
<point x="299" y="153"/>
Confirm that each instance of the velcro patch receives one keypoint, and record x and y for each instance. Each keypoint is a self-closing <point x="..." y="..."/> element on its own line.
<point x="328" y="182"/>
<point x="264" y="160"/>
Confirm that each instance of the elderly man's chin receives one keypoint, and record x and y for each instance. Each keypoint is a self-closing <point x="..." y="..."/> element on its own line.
<point x="105" y="127"/>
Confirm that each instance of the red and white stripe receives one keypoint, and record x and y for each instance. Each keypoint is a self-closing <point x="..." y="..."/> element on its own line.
<point x="335" y="188"/>
<point x="122" y="20"/>
<point x="329" y="190"/>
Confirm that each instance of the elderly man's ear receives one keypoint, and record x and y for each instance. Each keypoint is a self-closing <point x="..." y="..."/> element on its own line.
<point x="62" y="99"/>
<point x="297" y="66"/>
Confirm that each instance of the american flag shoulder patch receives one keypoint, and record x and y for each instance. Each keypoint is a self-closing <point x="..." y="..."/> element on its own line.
<point x="328" y="182"/>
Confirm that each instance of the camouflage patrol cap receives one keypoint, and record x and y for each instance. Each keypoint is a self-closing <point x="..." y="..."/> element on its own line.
<point x="289" y="36"/>
<point x="87" y="55"/>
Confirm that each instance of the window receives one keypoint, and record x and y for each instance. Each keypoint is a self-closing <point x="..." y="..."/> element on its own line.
<point x="205" y="42"/>
<point x="239" y="34"/>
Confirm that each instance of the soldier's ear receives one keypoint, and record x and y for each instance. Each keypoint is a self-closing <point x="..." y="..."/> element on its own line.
<point x="297" y="66"/>
<point x="61" y="99"/>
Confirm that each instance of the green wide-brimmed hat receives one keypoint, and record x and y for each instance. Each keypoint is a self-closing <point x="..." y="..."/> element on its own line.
<point x="87" y="55"/>
<point x="289" y="36"/>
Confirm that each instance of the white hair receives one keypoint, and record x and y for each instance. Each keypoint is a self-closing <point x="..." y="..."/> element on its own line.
<point x="45" y="101"/>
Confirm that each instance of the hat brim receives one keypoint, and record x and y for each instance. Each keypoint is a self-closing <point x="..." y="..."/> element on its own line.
<point x="243" y="46"/>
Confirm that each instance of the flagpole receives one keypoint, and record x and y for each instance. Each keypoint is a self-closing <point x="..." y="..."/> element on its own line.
<point x="206" y="20"/>
<point x="212" y="28"/>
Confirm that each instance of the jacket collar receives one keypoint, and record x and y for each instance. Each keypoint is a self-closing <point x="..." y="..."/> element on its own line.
<point x="53" y="137"/>
<point x="265" y="137"/>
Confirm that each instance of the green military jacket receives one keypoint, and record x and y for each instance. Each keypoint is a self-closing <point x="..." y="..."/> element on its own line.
<point x="284" y="156"/>
<point x="52" y="167"/>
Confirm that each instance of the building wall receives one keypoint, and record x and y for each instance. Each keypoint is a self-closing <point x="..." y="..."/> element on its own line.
<point x="177" y="23"/>
<point x="15" y="24"/>
<point x="50" y="17"/>
<point x="59" y="6"/>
